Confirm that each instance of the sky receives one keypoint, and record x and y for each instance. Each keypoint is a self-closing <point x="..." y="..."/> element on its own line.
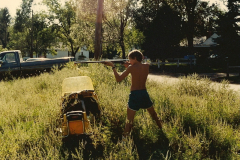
<point x="13" y="5"/>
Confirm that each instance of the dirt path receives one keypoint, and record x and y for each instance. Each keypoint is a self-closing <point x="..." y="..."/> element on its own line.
<point x="175" y="78"/>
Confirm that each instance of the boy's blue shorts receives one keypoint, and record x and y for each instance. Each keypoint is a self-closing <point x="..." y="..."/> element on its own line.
<point x="139" y="99"/>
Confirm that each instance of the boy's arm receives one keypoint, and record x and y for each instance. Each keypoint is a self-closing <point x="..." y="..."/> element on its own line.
<point x="118" y="77"/>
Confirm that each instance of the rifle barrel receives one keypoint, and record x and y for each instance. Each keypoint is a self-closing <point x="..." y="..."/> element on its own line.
<point x="114" y="61"/>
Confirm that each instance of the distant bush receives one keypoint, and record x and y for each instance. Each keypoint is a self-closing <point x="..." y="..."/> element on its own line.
<point x="2" y="49"/>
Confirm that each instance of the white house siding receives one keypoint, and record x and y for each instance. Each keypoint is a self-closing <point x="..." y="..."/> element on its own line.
<point x="60" y="53"/>
<point x="64" y="53"/>
<point x="84" y="52"/>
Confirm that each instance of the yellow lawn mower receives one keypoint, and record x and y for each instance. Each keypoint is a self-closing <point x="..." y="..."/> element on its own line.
<point x="79" y="106"/>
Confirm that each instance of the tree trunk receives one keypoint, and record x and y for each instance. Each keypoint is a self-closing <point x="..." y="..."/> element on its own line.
<point x="108" y="54"/>
<point x="190" y="30"/>
<point x="4" y="40"/>
<point x="4" y="44"/>
<point x="73" y="52"/>
<point x="31" y="46"/>
<point x="123" y="49"/>
<point x="122" y="38"/>
<point x="190" y="7"/>
<point x="98" y="31"/>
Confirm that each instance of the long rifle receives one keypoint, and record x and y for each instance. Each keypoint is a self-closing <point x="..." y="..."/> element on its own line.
<point x="122" y="61"/>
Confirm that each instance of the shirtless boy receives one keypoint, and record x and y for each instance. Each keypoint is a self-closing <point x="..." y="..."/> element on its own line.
<point x="138" y="98"/>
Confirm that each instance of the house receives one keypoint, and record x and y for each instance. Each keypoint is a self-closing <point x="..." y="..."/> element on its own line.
<point x="65" y="53"/>
<point x="202" y="41"/>
<point x="210" y="42"/>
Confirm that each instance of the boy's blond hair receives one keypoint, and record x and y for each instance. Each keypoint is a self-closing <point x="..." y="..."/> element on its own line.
<point x="136" y="54"/>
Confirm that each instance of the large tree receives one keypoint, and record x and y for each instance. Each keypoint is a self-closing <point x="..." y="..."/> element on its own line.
<point x="198" y="17"/>
<point x="32" y="33"/>
<point x="23" y="16"/>
<point x="4" y="25"/>
<point x="162" y="29"/>
<point x="23" y="27"/>
<point x="118" y="32"/>
<point x="84" y="29"/>
<point x="190" y="7"/>
<point x="117" y="18"/>
<point x="43" y="35"/>
<point x="64" y="18"/>
<point x="229" y="30"/>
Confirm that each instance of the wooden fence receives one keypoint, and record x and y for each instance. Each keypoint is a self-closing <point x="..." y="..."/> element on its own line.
<point x="177" y="61"/>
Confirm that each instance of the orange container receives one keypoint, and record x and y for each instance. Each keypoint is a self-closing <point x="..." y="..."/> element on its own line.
<point x="76" y="127"/>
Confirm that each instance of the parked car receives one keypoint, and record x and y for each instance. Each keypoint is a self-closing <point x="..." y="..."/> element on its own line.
<point x="12" y="61"/>
<point x="37" y="59"/>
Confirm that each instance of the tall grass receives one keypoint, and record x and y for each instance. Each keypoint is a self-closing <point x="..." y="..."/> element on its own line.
<point x="201" y="120"/>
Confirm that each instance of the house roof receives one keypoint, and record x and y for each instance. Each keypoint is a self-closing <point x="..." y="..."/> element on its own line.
<point x="209" y="42"/>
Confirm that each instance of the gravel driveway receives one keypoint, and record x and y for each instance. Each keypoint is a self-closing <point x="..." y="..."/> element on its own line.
<point x="175" y="78"/>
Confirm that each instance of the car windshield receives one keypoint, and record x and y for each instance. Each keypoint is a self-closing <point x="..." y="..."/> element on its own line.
<point x="2" y="56"/>
<point x="8" y="57"/>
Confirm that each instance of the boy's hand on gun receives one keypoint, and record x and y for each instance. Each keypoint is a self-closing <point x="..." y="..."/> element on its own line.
<point x="126" y="64"/>
<point x="108" y="63"/>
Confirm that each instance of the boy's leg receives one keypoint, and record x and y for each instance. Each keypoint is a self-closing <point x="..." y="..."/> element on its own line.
<point x="153" y="114"/>
<point x="129" y="121"/>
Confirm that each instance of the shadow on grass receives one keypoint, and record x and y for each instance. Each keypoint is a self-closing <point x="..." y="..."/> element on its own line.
<point x="152" y="150"/>
<point x="82" y="146"/>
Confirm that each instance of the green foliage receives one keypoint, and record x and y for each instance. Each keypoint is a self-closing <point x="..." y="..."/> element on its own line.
<point x="2" y="49"/>
<point x="23" y="16"/>
<point x="194" y="14"/>
<point x="133" y="38"/>
<point x="4" y="25"/>
<point x="63" y="19"/>
<point x="32" y="32"/>
<point x="84" y="29"/>
<point x="117" y="26"/>
<point x="165" y="23"/>
<point x="118" y="31"/>
<point x="229" y="31"/>
<point x="83" y="32"/>
<point x="162" y="32"/>
<point x="201" y="119"/>
<point x="19" y="40"/>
